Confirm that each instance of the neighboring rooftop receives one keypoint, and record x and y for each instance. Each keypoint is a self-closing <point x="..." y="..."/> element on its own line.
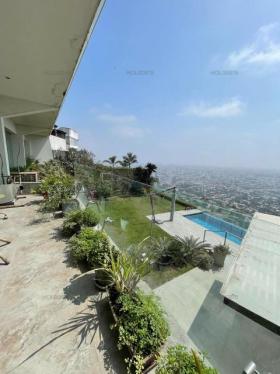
<point x="253" y="282"/>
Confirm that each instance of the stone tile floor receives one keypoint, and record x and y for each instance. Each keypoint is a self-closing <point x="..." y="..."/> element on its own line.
<point x="52" y="320"/>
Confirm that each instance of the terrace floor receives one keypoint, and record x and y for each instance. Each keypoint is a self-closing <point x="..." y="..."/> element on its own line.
<point x="51" y="318"/>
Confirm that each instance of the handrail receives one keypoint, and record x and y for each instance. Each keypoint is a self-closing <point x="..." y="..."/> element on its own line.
<point x="225" y="237"/>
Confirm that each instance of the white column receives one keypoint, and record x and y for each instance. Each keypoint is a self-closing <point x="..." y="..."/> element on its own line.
<point x="4" y="168"/>
<point x="18" y="150"/>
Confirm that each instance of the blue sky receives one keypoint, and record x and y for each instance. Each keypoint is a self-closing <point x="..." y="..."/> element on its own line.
<point x="186" y="82"/>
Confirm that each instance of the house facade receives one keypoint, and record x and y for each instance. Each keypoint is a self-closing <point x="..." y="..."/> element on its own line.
<point x="40" y="51"/>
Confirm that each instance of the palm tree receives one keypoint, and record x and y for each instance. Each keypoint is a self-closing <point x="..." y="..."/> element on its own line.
<point x="129" y="159"/>
<point x="112" y="161"/>
<point x="151" y="168"/>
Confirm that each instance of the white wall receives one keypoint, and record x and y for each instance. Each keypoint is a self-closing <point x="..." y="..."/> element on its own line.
<point x="39" y="147"/>
<point x="57" y="144"/>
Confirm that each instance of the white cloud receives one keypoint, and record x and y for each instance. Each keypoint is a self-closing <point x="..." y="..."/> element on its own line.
<point x="264" y="51"/>
<point x="128" y="131"/>
<point x="114" y="119"/>
<point x="231" y="108"/>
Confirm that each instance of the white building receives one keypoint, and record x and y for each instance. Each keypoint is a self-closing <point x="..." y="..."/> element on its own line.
<point x="72" y="137"/>
<point x="40" y="50"/>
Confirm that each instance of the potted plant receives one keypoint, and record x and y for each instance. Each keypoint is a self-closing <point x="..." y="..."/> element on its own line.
<point x="160" y="250"/>
<point x="220" y="252"/>
<point x="103" y="280"/>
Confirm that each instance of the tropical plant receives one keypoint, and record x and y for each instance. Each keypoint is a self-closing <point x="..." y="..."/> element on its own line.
<point x="178" y="360"/>
<point x="144" y="175"/>
<point x="190" y="247"/>
<point x="141" y="326"/>
<point x="159" y="249"/>
<point x="112" y="161"/>
<point x="78" y="218"/>
<point x="125" y="270"/>
<point x="90" y="246"/>
<point x="129" y="159"/>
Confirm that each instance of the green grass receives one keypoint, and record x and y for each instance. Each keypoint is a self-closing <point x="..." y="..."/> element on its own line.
<point x="134" y="210"/>
<point x="156" y="278"/>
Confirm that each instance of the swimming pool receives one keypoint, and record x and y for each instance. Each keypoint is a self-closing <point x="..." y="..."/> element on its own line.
<point x="219" y="226"/>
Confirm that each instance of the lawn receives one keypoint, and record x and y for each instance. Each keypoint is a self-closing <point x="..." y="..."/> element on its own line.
<point x="130" y="223"/>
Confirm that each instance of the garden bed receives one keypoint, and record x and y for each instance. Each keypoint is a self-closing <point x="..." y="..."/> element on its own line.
<point x="149" y="361"/>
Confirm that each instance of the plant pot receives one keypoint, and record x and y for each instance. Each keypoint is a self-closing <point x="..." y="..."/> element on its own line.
<point x="219" y="259"/>
<point x="102" y="280"/>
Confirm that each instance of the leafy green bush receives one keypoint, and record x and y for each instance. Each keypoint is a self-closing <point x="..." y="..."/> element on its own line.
<point x="78" y="218"/>
<point x="178" y="360"/>
<point x="102" y="189"/>
<point x="142" y="326"/>
<point x="56" y="188"/>
<point x="203" y="260"/>
<point x="90" y="246"/>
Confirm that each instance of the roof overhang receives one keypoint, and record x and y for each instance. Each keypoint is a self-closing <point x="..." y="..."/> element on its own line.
<point x="41" y="45"/>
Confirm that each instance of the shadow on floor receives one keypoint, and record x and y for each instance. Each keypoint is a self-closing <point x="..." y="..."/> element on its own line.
<point x="230" y="339"/>
<point x="80" y="288"/>
<point x="95" y="319"/>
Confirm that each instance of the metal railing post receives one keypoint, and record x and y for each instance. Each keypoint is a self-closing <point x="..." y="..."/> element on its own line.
<point x="225" y="238"/>
<point x="204" y="235"/>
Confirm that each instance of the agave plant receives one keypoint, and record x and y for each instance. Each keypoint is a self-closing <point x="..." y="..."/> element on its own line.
<point x="192" y="250"/>
<point x="160" y="249"/>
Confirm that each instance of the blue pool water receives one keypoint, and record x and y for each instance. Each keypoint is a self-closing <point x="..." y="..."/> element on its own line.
<point x="219" y="226"/>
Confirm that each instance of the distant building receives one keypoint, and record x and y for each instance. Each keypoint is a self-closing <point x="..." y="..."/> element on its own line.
<point x="71" y="137"/>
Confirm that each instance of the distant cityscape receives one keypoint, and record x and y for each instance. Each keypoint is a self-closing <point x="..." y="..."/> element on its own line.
<point x="244" y="190"/>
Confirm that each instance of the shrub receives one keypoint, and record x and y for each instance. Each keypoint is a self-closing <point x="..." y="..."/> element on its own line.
<point x="159" y="248"/>
<point x="142" y="326"/>
<point x="179" y="360"/>
<point x="102" y="189"/>
<point x="203" y="260"/>
<point x="90" y="246"/>
<point x="78" y="218"/>
<point x="57" y="188"/>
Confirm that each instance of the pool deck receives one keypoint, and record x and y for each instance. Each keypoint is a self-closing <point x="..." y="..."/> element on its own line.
<point x="181" y="227"/>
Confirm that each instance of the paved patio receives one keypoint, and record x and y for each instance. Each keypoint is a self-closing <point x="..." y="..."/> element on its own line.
<point x="51" y="318"/>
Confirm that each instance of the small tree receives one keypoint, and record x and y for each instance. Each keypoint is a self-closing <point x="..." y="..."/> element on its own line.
<point x="129" y="159"/>
<point x="112" y="161"/>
